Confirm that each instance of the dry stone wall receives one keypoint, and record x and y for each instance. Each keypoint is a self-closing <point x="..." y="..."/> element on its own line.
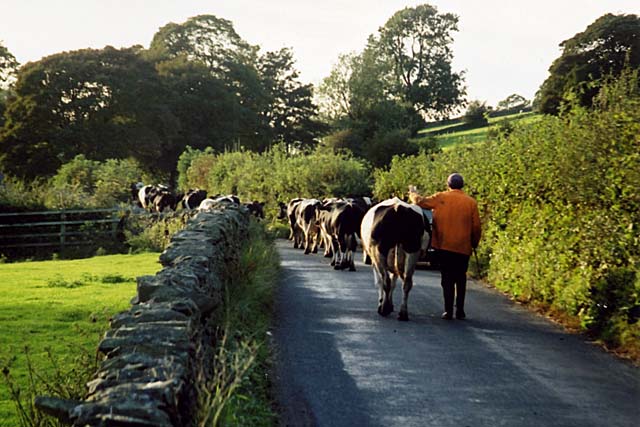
<point x="158" y="350"/>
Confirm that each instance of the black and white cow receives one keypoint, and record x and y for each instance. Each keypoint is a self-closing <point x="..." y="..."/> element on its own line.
<point x="210" y="203"/>
<point x="229" y="198"/>
<point x="193" y="198"/>
<point x="339" y="223"/>
<point x="324" y="224"/>
<point x="393" y="233"/>
<point x="365" y="203"/>
<point x="148" y="193"/>
<point x="135" y="189"/>
<point x="295" y="232"/>
<point x="307" y="221"/>
<point x="164" y="200"/>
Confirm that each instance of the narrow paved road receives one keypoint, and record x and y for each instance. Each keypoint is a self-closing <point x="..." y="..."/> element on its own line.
<point x="339" y="363"/>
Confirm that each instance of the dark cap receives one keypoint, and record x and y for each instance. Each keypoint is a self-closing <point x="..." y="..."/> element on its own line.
<point x="455" y="181"/>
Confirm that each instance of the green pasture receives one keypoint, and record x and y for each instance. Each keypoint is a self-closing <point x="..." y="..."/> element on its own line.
<point x="61" y="308"/>
<point x="452" y="134"/>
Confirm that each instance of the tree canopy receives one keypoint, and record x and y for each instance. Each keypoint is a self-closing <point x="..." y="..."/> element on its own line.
<point x="602" y="49"/>
<point x="408" y="61"/>
<point x="377" y="99"/>
<point x="8" y="66"/>
<point x="272" y="104"/>
<point x="199" y="84"/>
<point x="104" y="103"/>
<point x="416" y="43"/>
<point x="513" y="101"/>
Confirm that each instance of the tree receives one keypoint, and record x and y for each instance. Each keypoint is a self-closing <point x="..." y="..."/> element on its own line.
<point x="207" y="39"/>
<point x="603" y="49"/>
<point x="271" y="103"/>
<point x="8" y="66"/>
<point x="214" y="43"/>
<point x="356" y="85"/>
<point x="291" y="113"/>
<point x="513" y="101"/>
<point x="477" y="113"/>
<point x="209" y="114"/>
<point x="415" y="42"/>
<point x="106" y="103"/>
<point x="335" y="90"/>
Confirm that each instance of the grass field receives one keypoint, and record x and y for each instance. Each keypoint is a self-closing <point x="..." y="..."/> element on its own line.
<point x="61" y="307"/>
<point x="450" y="135"/>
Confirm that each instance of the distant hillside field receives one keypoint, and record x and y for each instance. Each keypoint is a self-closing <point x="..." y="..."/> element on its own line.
<point x="451" y="134"/>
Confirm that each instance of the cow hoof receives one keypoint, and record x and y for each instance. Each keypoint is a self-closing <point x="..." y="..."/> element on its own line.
<point x="328" y="255"/>
<point x="352" y="268"/>
<point x="307" y="251"/>
<point x="333" y="263"/>
<point x="403" y="316"/>
<point x="385" y="309"/>
<point x="315" y="251"/>
<point x="337" y="267"/>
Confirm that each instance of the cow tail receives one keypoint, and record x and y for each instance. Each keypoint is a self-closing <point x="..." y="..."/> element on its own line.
<point x="396" y="250"/>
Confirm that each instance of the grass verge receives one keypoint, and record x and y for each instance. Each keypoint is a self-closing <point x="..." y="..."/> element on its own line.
<point x="52" y="315"/>
<point x="240" y="393"/>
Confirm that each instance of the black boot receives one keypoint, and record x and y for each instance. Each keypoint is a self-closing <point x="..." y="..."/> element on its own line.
<point x="448" y="292"/>
<point x="461" y="289"/>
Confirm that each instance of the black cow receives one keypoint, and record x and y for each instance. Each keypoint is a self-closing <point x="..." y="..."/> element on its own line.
<point x="393" y="233"/>
<point x="282" y="210"/>
<point x="255" y="208"/>
<point x="365" y="203"/>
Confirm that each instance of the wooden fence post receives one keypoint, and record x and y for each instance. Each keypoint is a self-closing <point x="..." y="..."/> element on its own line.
<point x="63" y="218"/>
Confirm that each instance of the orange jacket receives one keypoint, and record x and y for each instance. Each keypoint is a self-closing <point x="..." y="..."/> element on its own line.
<point x="456" y="221"/>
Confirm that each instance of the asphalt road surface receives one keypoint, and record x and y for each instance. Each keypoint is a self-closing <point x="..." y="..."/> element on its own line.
<point x="339" y="363"/>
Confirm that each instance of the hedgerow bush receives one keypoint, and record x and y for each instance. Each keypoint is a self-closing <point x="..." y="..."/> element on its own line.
<point x="560" y="207"/>
<point x="84" y="183"/>
<point x="80" y="183"/>
<point x="276" y="175"/>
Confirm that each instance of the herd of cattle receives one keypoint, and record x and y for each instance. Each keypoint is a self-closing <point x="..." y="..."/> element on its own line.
<point x="393" y="233"/>
<point x="159" y="198"/>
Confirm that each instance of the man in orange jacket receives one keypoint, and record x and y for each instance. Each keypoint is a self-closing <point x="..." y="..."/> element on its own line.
<point x="456" y="232"/>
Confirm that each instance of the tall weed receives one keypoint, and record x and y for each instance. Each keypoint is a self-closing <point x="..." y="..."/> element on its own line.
<point x="239" y="392"/>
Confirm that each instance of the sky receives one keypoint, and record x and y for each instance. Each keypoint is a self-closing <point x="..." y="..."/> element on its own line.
<point x="503" y="46"/>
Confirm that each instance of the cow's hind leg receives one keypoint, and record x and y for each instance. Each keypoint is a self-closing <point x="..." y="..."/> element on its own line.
<point x="308" y="240"/>
<point x="351" y="247"/>
<point x="407" y="283"/>
<point x="385" y="305"/>
<point x="342" y="244"/>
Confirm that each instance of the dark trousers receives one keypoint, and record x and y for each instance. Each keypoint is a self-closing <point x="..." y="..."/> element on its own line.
<point x="453" y="267"/>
